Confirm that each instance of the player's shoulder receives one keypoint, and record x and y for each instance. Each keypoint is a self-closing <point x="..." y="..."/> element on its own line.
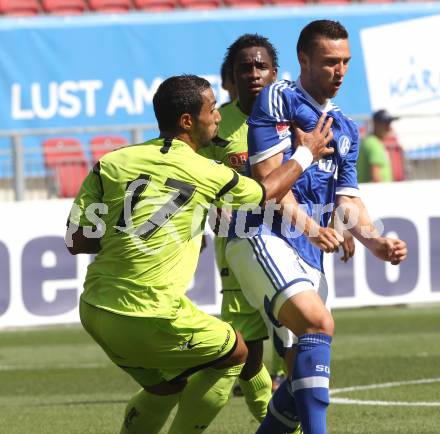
<point x="228" y="108"/>
<point x="233" y="123"/>
<point x="276" y="90"/>
<point x="210" y="175"/>
<point x="204" y="165"/>
<point x="125" y="157"/>
<point x="276" y="101"/>
<point x="342" y="117"/>
<point x="138" y="148"/>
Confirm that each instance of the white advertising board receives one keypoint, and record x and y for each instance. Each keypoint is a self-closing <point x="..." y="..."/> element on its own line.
<point x="41" y="282"/>
<point x="403" y="75"/>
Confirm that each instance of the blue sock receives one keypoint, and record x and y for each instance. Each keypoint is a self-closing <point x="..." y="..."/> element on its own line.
<point x="281" y="416"/>
<point x="310" y="381"/>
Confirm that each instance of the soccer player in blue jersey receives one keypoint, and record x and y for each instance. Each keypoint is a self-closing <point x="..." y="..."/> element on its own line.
<point x="280" y="265"/>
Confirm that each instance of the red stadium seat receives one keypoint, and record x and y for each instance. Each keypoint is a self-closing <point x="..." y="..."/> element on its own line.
<point x="288" y="2"/>
<point x="64" y="7"/>
<point x="19" y="7"/>
<point x="155" y="5"/>
<point x="67" y="164"/>
<point x="110" y="5"/>
<point x="244" y="3"/>
<point x="100" y="145"/>
<point x="199" y="4"/>
<point x="334" y="2"/>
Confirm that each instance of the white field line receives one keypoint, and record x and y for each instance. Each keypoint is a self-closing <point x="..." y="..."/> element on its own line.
<point x="348" y="401"/>
<point x="58" y="366"/>
<point x="339" y="400"/>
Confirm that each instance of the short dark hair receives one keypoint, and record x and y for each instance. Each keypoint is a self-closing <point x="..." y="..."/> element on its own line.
<point x="319" y="29"/>
<point x="225" y="72"/>
<point x="247" y="41"/>
<point x="178" y="95"/>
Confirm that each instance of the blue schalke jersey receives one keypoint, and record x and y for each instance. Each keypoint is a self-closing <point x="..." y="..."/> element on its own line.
<point x="270" y="133"/>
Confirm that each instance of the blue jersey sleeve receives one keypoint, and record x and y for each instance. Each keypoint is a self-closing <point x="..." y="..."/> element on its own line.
<point x="269" y="124"/>
<point x="348" y="149"/>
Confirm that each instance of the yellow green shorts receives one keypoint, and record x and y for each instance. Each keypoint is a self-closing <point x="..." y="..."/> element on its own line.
<point x="153" y="350"/>
<point x="237" y="311"/>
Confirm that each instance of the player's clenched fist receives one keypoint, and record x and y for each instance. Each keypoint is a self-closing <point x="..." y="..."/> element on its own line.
<point x="390" y="249"/>
<point x="327" y="239"/>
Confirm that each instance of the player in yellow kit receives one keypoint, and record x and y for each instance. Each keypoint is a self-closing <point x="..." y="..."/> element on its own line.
<point x="142" y="209"/>
<point x="251" y="63"/>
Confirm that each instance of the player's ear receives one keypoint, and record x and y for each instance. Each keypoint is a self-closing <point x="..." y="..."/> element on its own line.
<point x="274" y="74"/>
<point x="186" y="122"/>
<point x="303" y="59"/>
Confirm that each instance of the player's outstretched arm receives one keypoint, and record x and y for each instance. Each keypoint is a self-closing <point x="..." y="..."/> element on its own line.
<point x="310" y="147"/>
<point x="352" y="214"/>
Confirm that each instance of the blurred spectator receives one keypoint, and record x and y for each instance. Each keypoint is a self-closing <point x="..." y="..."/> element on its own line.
<point x="374" y="163"/>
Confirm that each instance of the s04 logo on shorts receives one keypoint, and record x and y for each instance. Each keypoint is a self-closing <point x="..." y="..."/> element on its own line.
<point x="322" y="368"/>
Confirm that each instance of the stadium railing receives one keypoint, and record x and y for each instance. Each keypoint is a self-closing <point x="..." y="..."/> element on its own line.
<point x="23" y="174"/>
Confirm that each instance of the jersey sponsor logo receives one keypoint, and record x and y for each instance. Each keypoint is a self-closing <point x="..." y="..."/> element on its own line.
<point x="188" y="345"/>
<point x="344" y="144"/>
<point x="237" y="159"/>
<point x="282" y="130"/>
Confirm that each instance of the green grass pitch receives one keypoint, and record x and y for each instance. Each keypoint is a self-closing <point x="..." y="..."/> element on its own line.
<point x="57" y="381"/>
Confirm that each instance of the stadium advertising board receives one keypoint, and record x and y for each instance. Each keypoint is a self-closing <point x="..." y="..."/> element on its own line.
<point x="41" y="282"/>
<point x="104" y="69"/>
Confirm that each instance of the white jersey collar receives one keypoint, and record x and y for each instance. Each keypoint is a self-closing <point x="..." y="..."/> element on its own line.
<point x="324" y="108"/>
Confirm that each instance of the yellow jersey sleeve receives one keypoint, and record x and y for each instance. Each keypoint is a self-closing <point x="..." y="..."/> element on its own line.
<point x="240" y="190"/>
<point x="88" y="200"/>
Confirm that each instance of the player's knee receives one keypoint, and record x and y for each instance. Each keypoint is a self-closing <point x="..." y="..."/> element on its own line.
<point x="323" y="323"/>
<point x="237" y="357"/>
<point x="241" y="351"/>
<point x="167" y="387"/>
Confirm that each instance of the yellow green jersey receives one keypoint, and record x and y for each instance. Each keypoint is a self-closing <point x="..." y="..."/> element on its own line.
<point x="154" y="199"/>
<point x="229" y="147"/>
